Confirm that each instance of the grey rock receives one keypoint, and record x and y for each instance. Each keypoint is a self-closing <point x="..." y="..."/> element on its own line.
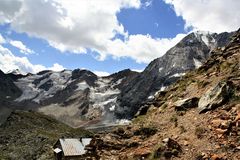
<point x="142" y="110"/>
<point x="185" y="104"/>
<point x="215" y="96"/>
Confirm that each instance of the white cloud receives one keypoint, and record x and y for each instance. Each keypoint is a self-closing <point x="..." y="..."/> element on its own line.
<point x="147" y="3"/>
<point x="56" y="67"/>
<point x="71" y="25"/>
<point x="76" y="26"/>
<point x="9" y="9"/>
<point x="209" y="15"/>
<point x="23" y="49"/>
<point x="141" y="48"/>
<point x="9" y="62"/>
<point x="2" y="40"/>
<point x="101" y="73"/>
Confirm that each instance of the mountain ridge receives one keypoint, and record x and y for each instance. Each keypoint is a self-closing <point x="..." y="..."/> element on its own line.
<point x="80" y="96"/>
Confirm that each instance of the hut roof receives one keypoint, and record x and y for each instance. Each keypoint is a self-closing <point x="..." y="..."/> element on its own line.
<point x="74" y="147"/>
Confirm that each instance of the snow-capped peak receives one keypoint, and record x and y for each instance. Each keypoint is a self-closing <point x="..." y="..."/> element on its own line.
<point x="205" y="37"/>
<point x="16" y="72"/>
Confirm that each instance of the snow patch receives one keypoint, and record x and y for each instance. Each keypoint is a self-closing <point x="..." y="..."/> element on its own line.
<point x="104" y="96"/>
<point x="163" y="88"/>
<point x="206" y="37"/>
<point x="82" y="86"/>
<point x="160" y="69"/>
<point x="177" y="75"/>
<point x="123" y="122"/>
<point x="34" y="93"/>
<point x="197" y="63"/>
<point x="112" y="108"/>
<point x="150" y="97"/>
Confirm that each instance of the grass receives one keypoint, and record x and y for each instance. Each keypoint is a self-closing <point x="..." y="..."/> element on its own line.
<point x="30" y="135"/>
<point x="139" y="120"/>
<point x="202" y="84"/>
<point x="174" y="119"/>
<point x="155" y="154"/>
<point x="145" y="132"/>
<point x="199" y="132"/>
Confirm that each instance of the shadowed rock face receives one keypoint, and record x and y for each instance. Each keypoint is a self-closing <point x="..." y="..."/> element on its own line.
<point x="8" y="90"/>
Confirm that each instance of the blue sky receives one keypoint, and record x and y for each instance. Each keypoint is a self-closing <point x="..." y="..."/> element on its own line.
<point x="104" y="38"/>
<point x="159" y="20"/>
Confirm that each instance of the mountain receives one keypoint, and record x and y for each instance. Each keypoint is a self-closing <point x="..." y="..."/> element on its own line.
<point x="8" y="90"/>
<point x="31" y="135"/>
<point x="81" y="98"/>
<point x="188" y="54"/>
<point x="15" y="72"/>
<point x="198" y="117"/>
<point x="74" y="97"/>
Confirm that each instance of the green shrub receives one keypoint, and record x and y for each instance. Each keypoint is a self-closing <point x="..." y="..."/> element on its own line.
<point x="174" y="119"/>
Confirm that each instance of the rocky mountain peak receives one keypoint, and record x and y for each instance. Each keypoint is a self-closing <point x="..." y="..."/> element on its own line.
<point x="190" y="53"/>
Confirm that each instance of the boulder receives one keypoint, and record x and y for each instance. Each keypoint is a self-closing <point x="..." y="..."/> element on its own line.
<point x="142" y="110"/>
<point x="185" y="104"/>
<point x="215" y="96"/>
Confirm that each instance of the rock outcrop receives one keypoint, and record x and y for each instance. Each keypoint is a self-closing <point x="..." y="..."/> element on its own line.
<point x="185" y="104"/>
<point x="215" y="96"/>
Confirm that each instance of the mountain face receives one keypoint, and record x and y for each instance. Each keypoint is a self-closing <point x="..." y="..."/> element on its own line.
<point x="8" y="90"/>
<point x="80" y="97"/>
<point x="73" y="97"/>
<point x="187" y="55"/>
<point x="196" y="118"/>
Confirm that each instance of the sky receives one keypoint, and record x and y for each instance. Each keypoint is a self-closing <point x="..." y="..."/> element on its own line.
<point x="104" y="36"/>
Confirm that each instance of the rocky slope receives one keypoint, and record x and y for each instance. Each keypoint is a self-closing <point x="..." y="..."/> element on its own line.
<point x="30" y="135"/>
<point x="196" y="118"/>
<point x="80" y="98"/>
<point x="187" y="55"/>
